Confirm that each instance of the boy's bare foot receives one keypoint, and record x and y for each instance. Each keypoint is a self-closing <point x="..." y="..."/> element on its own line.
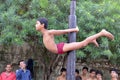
<point x="107" y="34"/>
<point x="95" y="42"/>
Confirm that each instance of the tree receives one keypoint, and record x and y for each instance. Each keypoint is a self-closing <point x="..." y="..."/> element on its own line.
<point x="94" y="16"/>
<point x="18" y="17"/>
<point x="18" y="27"/>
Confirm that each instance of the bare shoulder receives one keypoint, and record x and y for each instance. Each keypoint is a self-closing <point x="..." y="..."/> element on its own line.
<point x="58" y="78"/>
<point x="88" y="79"/>
<point x="48" y="32"/>
<point x="95" y="79"/>
<point x="51" y="31"/>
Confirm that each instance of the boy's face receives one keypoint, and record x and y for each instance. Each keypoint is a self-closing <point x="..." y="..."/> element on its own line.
<point x="64" y="73"/>
<point x="76" y="74"/>
<point x="22" y="65"/>
<point x="38" y="25"/>
<point x="8" y="68"/>
<point x="92" y="74"/>
<point x="84" y="71"/>
<point x="99" y="76"/>
<point x="113" y="74"/>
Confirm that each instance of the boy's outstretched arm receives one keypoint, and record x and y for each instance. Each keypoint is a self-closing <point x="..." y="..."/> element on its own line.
<point x="60" y="32"/>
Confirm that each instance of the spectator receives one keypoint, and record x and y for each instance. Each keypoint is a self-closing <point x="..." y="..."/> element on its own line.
<point x="63" y="74"/>
<point x="23" y="73"/>
<point x="77" y="75"/>
<point x="84" y="74"/>
<point x="99" y="75"/>
<point x="30" y="66"/>
<point x="92" y="75"/>
<point x="8" y="74"/>
<point x="114" y="74"/>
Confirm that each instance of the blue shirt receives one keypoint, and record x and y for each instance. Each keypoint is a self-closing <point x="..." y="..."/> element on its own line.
<point x="23" y="75"/>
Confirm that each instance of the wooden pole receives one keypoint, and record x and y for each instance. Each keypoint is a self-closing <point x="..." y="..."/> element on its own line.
<point x="72" y="38"/>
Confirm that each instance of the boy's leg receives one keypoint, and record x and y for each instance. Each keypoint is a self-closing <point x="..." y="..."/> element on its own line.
<point x="91" y="39"/>
<point x="77" y="45"/>
<point x="101" y="33"/>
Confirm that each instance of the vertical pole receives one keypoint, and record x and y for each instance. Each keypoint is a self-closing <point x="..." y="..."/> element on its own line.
<point x="72" y="38"/>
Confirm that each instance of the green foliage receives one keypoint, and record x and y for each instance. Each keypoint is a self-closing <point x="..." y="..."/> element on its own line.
<point x="81" y="54"/>
<point x="18" y="18"/>
<point x="94" y="15"/>
<point x="44" y="3"/>
<point x="21" y="17"/>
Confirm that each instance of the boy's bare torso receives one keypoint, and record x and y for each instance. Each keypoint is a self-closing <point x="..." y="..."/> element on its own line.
<point x="114" y="79"/>
<point x="84" y="77"/>
<point x="48" y="40"/>
<point x="92" y="79"/>
<point x="61" y="78"/>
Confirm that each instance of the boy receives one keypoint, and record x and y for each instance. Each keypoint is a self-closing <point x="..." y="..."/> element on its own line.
<point x="23" y="73"/>
<point x="63" y="74"/>
<point x="114" y="74"/>
<point x="48" y="38"/>
<point x="84" y="74"/>
<point x="77" y="75"/>
<point x="8" y="74"/>
<point x="92" y="75"/>
<point x="99" y="75"/>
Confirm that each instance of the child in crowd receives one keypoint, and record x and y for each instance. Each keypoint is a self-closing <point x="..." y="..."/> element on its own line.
<point x="114" y="74"/>
<point x="63" y="74"/>
<point x="92" y="75"/>
<point x="8" y="74"/>
<point x="84" y="74"/>
<point x="99" y="75"/>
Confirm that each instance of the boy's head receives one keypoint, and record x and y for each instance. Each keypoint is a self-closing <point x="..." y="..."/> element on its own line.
<point x="76" y="72"/>
<point x="43" y="21"/>
<point x="99" y="74"/>
<point x="114" y="73"/>
<point x="63" y="71"/>
<point x="22" y="64"/>
<point x="85" y="70"/>
<point x="8" y="67"/>
<point x="92" y="72"/>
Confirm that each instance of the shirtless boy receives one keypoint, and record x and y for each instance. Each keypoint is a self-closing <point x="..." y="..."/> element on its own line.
<point x="63" y="74"/>
<point x="99" y="75"/>
<point x="92" y="75"/>
<point x="48" y="38"/>
<point x="84" y="74"/>
<point x="114" y="74"/>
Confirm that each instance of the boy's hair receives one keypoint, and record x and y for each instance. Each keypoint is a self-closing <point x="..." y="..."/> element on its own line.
<point x="62" y="70"/>
<point x="9" y="64"/>
<point x="113" y="69"/>
<point x="43" y="21"/>
<point x="99" y="72"/>
<point x="92" y="70"/>
<point x="77" y="71"/>
<point x="22" y="61"/>
<point x="85" y="68"/>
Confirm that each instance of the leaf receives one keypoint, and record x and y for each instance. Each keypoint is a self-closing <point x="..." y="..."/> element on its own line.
<point x="107" y="53"/>
<point x="80" y="54"/>
<point x="44" y="3"/>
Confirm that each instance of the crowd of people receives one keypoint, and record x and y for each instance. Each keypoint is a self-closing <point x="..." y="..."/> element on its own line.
<point x="21" y="74"/>
<point x="25" y="74"/>
<point x="88" y="75"/>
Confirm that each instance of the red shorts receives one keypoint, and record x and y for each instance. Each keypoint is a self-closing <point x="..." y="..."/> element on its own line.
<point x="60" y="48"/>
